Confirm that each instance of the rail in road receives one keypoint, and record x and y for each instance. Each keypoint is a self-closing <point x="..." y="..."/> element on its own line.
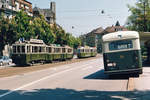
<point x="10" y="71"/>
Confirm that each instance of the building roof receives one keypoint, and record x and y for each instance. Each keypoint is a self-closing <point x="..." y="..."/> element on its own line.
<point x="48" y="12"/>
<point x="45" y="12"/>
<point x="27" y="1"/>
<point x="97" y="31"/>
<point x="114" y="29"/>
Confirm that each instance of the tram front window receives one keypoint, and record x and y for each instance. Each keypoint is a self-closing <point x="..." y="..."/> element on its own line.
<point x="23" y="49"/>
<point x="14" y="49"/>
<point x="119" y="45"/>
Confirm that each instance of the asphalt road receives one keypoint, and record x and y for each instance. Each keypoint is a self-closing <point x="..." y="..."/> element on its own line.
<point x="77" y="81"/>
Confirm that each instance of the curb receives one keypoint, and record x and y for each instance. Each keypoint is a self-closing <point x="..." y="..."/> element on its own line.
<point x="130" y="84"/>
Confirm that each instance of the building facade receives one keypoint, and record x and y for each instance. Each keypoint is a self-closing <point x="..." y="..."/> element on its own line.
<point x="49" y="14"/>
<point x="94" y="38"/>
<point x="10" y="7"/>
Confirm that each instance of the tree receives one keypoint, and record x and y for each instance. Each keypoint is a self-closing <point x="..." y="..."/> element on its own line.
<point x="42" y="30"/>
<point x="60" y="35"/>
<point x="139" y="19"/>
<point x="24" y="28"/>
<point x="8" y="33"/>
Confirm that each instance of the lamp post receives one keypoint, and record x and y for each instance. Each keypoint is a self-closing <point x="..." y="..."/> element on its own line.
<point x="145" y="26"/>
<point x="144" y="17"/>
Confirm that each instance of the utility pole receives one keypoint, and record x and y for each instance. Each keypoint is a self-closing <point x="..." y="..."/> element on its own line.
<point x="145" y="26"/>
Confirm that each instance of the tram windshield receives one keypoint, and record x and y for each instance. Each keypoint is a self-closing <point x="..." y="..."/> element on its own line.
<point x="119" y="45"/>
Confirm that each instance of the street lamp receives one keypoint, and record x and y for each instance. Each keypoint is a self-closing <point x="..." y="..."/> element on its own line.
<point x="145" y="27"/>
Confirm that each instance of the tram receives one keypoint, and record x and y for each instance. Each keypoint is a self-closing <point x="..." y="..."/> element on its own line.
<point x="122" y="53"/>
<point x="84" y="52"/>
<point x="34" y="50"/>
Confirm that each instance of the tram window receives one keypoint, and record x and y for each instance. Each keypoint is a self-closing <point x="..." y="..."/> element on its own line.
<point x="32" y="49"/>
<point x="69" y="50"/>
<point x="28" y="49"/>
<point x="83" y="50"/>
<point x="56" y="50"/>
<point x="119" y="45"/>
<point x="63" y="50"/>
<point x="49" y="49"/>
<point x="23" y="49"/>
<point x="14" y="49"/>
<point x="40" y="49"/>
<point x="18" y="49"/>
<point x="78" y="50"/>
<point x="35" y="49"/>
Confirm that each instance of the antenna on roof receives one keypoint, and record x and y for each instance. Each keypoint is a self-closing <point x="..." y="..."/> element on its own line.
<point x="35" y="5"/>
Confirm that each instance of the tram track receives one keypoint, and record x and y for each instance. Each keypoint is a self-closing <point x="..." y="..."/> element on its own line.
<point x="10" y="71"/>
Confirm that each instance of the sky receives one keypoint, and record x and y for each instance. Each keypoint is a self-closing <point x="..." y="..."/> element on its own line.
<point x="82" y="16"/>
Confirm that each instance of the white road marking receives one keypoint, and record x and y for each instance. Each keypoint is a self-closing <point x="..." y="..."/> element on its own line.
<point x="87" y="68"/>
<point x="44" y="78"/>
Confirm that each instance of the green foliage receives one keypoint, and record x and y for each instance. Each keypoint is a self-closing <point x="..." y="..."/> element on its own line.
<point x="28" y="27"/>
<point x="64" y="38"/>
<point x="24" y="26"/>
<point x="139" y="19"/>
<point x="8" y="34"/>
<point x="60" y="35"/>
<point x="42" y="30"/>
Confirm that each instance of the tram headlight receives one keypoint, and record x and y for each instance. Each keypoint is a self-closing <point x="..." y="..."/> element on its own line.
<point x="136" y="58"/>
<point x="111" y="64"/>
<point x="107" y="61"/>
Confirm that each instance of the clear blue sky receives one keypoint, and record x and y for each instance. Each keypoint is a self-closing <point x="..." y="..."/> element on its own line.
<point x="85" y="15"/>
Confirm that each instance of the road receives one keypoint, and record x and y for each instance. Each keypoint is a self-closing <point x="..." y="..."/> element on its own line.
<point x="83" y="80"/>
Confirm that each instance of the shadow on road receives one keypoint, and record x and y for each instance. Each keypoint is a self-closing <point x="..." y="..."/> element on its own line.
<point x="70" y="94"/>
<point x="145" y="64"/>
<point x="100" y="75"/>
<point x="97" y="75"/>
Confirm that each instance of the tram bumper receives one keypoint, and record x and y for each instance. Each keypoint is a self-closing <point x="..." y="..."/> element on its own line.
<point x="128" y="71"/>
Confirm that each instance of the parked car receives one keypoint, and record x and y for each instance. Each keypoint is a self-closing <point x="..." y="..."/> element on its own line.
<point x="5" y="60"/>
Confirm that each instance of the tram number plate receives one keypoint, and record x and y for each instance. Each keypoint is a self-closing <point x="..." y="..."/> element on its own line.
<point x="121" y="56"/>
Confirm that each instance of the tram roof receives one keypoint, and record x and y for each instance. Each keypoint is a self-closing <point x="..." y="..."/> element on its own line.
<point x="120" y="35"/>
<point x="86" y="47"/>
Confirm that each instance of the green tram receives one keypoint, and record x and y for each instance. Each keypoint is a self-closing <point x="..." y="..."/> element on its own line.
<point x="84" y="52"/>
<point x="122" y="53"/>
<point x="34" y="51"/>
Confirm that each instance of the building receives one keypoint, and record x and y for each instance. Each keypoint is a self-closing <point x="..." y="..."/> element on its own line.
<point x="115" y="28"/>
<point x="94" y="38"/>
<point x="10" y="7"/>
<point x="49" y="14"/>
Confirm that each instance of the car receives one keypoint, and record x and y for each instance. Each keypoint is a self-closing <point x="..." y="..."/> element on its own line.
<point x="5" y="60"/>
